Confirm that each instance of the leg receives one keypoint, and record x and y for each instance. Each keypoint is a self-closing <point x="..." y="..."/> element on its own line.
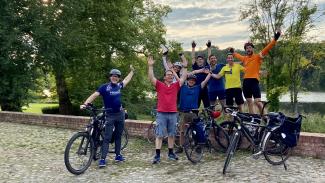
<point x="250" y="104"/>
<point x="257" y="95"/>
<point x="119" y="127"/>
<point x="248" y="93"/>
<point x="259" y="104"/>
<point x="205" y="97"/>
<point x="239" y="99"/>
<point x="160" y="133"/>
<point x="171" y="129"/>
<point x="109" y="124"/>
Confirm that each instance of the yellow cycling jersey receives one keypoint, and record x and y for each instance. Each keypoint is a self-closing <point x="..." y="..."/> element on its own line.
<point x="232" y="75"/>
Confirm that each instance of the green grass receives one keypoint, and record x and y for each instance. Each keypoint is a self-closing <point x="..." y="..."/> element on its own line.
<point x="36" y="107"/>
<point x="313" y="123"/>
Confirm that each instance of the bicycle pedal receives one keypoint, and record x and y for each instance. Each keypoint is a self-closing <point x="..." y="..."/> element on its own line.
<point x="257" y="155"/>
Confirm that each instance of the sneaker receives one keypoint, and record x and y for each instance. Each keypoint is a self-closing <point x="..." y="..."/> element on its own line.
<point x="179" y="150"/>
<point x="119" y="158"/>
<point x="172" y="156"/>
<point x="156" y="159"/>
<point x="102" y="163"/>
<point x="164" y="49"/>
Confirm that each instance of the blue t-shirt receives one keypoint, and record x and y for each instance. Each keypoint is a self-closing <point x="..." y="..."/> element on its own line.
<point x="189" y="97"/>
<point x="111" y="94"/>
<point x="200" y="77"/>
<point x="216" y="84"/>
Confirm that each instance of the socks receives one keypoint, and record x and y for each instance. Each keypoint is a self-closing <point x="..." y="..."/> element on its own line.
<point x="170" y="151"/>
<point x="158" y="152"/>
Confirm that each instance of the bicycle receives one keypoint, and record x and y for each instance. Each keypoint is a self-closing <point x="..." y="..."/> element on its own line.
<point x="151" y="131"/>
<point x="198" y="132"/>
<point x="231" y="125"/>
<point x="269" y="141"/>
<point x="85" y="146"/>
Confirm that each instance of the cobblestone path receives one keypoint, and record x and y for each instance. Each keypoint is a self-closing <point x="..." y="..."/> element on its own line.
<point x="35" y="154"/>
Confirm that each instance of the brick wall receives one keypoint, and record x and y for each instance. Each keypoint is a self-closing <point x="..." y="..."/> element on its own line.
<point x="310" y="144"/>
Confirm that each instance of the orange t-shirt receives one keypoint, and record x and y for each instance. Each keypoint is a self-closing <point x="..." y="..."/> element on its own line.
<point x="253" y="62"/>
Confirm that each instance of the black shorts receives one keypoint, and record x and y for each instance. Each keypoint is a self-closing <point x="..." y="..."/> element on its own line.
<point x="232" y="93"/>
<point x="251" y="87"/>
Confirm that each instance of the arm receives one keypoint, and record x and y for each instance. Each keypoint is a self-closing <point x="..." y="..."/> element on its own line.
<point x="151" y="76"/>
<point x="209" y="48"/>
<point x="206" y="78"/>
<point x="128" y="78"/>
<point x="175" y="74"/>
<point x="216" y="76"/>
<point x="165" y="62"/>
<point x="193" y="52"/>
<point x="266" y="50"/>
<point x="268" y="47"/>
<point x="197" y="71"/>
<point x="184" y="75"/>
<point x="236" y="55"/>
<point x="90" y="99"/>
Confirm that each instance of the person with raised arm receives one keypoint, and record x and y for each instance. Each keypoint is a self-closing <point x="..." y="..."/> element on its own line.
<point x="111" y="94"/>
<point x="166" y="107"/>
<point x="252" y="63"/>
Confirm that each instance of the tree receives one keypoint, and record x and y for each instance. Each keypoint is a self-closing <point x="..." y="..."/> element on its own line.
<point x="17" y="66"/>
<point x="79" y="41"/>
<point x="295" y="18"/>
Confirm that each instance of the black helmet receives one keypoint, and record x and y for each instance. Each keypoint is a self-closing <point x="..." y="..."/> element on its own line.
<point x="115" y="72"/>
<point x="248" y="44"/>
<point x="191" y="76"/>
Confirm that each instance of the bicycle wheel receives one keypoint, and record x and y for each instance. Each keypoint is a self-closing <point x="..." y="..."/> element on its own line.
<point x="177" y="136"/>
<point x="78" y="153"/>
<point x="221" y="137"/>
<point x="275" y="151"/>
<point x="124" y="141"/>
<point x="231" y="150"/>
<point x="193" y="151"/>
<point x="151" y="132"/>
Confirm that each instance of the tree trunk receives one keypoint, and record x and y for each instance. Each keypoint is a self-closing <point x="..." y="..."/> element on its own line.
<point x="65" y="106"/>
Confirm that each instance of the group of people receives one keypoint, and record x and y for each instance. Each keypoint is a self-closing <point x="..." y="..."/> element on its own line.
<point x="182" y="91"/>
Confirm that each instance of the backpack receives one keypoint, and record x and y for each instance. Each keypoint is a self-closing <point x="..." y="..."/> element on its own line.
<point x="199" y="131"/>
<point x="290" y="130"/>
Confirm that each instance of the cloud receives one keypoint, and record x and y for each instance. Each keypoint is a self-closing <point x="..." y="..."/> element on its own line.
<point x="216" y="20"/>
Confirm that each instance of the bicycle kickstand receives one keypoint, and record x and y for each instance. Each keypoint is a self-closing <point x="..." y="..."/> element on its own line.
<point x="284" y="164"/>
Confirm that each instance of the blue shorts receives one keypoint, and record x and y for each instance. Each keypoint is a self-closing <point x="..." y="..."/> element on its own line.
<point x="166" y="124"/>
<point x="221" y="94"/>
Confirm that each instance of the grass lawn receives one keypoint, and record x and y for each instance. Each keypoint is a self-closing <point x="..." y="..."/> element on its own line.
<point x="36" y="107"/>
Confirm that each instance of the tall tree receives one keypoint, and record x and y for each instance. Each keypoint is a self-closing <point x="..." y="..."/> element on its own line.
<point x="295" y="19"/>
<point x="17" y="66"/>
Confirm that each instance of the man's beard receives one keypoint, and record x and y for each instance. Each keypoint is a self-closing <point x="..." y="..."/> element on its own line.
<point x="249" y="52"/>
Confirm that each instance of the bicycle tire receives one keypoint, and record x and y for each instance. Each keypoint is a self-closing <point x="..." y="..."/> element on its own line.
<point x="193" y="151"/>
<point x="221" y="137"/>
<point x="124" y="141"/>
<point x="151" y="132"/>
<point x="230" y="127"/>
<point x="231" y="150"/>
<point x="274" y="147"/>
<point x="85" y="147"/>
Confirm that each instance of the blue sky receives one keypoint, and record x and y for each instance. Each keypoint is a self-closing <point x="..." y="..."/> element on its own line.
<point x="217" y="20"/>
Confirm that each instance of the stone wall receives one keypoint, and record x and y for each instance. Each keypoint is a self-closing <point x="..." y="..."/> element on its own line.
<point x="310" y="144"/>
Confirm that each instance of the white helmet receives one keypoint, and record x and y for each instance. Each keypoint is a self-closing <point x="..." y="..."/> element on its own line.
<point x="179" y="64"/>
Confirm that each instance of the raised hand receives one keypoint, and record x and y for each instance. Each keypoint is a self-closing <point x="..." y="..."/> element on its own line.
<point x="231" y="50"/>
<point x="208" y="44"/>
<point x="150" y="61"/>
<point x="277" y="35"/>
<point x="193" y="44"/>
<point x="132" y="68"/>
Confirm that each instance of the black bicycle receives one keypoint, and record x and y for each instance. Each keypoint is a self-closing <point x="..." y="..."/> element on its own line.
<point x="197" y="136"/>
<point x="85" y="146"/>
<point x="270" y="138"/>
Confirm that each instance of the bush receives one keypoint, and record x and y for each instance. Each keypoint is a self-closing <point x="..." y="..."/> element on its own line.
<point x="75" y="110"/>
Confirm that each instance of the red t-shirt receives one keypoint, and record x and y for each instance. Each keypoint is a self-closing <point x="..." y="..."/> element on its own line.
<point x="167" y="96"/>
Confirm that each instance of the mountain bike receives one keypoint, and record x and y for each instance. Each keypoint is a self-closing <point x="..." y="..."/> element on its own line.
<point x="85" y="146"/>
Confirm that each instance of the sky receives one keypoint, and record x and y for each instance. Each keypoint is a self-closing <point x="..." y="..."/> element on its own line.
<point x="218" y="21"/>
